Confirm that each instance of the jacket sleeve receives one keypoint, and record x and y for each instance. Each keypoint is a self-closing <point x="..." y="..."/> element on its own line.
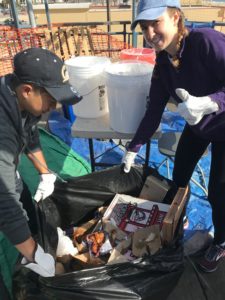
<point x="158" y="98"/>
<point x="212" y="53"/>
<point x="13" y="222"/>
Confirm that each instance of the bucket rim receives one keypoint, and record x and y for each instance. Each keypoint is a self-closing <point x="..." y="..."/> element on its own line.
<point x="79" y="61"/>
<point x="149" y="68"/>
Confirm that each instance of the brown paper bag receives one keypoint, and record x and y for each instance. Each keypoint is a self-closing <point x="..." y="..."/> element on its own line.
<point x="117" y="255"/>
<point x="146" y="241"/>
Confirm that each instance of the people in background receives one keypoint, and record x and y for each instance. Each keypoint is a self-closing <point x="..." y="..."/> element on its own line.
<point x="190" y="68"/>
<point x="38" y="82"/>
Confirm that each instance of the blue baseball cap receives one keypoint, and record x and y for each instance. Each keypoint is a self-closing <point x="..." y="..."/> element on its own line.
<point x="152" y="9"/>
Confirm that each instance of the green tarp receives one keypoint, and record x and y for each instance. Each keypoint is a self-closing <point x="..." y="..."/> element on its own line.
<point x="62" y="160"/>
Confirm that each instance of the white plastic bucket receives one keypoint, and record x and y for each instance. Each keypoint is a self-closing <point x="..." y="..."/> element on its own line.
<point x="128" y="85"/>
<point x="86" y="75"/>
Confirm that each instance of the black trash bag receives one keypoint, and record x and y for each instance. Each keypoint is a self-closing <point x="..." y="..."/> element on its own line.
<point x="74" y="202"/>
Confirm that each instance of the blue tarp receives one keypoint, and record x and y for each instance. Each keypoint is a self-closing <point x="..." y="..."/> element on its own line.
<point x="198" y="209"/>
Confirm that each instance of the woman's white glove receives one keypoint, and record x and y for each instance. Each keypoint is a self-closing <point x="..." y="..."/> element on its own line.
<point x="128" y="160"/>
<point x="45" y="187"/>
<point x="194" y="108"/>
<point x="43" y="264"/>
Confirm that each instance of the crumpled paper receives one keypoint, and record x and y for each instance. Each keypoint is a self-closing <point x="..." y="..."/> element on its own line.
<point x="65" y="245"/>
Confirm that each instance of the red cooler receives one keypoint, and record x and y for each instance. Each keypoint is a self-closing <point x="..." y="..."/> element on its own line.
<point x="144" y="54"/>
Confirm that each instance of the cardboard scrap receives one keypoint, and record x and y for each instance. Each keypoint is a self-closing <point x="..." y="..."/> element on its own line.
<point x="172" y="217"/>
<point x="115" y="234"/>
<point x="116" y="258"/>
<point x="154" y="243"/>
<point x="59" y="268"/>
<point x="154" y="189"/>
<point x="117" y="255"/>
<point x="88" y="260"/>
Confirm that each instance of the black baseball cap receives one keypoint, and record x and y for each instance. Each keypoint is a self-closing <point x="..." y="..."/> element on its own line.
<point x="45" y="69"/>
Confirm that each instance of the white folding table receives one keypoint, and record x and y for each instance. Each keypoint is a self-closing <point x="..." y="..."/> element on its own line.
<point x="99" y="128"/>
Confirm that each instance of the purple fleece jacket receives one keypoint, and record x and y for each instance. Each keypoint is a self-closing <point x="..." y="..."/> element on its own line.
<point x="201" y="73"/>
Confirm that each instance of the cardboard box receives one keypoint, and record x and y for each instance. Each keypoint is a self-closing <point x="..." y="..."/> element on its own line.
<point x="172" y="217"/>
<point x="154" y="189"/>
<point x="130" y="213"/>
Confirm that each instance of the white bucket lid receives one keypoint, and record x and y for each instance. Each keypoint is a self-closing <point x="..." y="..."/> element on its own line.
<point x="129" y="68"/>
<point x="128" y="74"/>
<point x="87" y="63"/>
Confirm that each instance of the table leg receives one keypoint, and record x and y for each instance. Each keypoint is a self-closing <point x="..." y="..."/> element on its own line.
<point x="92" y="157"/>
<point x="91" y="152"/>
<point x="147" y="154"/>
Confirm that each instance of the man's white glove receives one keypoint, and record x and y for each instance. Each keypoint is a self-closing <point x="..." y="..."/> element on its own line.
<point x="45" y="187"/>
<point x="43" y="264"/>
<point x="194" y="108"/>
<point x="128" y="160"/>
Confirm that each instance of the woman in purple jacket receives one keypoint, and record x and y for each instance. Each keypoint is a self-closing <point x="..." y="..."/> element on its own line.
<point x="190" y="68"/>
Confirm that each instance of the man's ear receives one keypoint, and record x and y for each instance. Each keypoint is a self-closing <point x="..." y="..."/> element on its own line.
<point x="25" y="89"/>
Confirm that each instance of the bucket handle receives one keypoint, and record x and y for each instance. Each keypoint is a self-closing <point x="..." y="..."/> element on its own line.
<point x="98" y="87"/>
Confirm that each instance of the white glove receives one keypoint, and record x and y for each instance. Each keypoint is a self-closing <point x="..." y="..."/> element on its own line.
<point x="45" y="187"/>
<point x="44" y="263"/>
<point x="194" y="108"/>
<point x="128" y="160"/>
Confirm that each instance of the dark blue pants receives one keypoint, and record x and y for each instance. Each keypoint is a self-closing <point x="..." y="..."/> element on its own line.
<point x="189" y="151"/>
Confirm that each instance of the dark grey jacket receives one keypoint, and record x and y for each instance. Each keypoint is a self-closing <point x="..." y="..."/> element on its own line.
<point x="13" y="141"/>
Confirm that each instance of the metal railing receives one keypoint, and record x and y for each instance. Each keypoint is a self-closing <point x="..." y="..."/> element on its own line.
<point x="124" y="32"/>
<point x="65" y="39"/>
<point x="73" y="39"/>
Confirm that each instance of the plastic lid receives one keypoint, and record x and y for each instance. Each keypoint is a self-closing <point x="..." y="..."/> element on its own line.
<point x="129" y="68"/>
<point x="87" y="61"/>
<point x="143" y="54"/>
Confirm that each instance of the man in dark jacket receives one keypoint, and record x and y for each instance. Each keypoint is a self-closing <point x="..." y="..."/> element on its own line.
<point x="39" y="81"/>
